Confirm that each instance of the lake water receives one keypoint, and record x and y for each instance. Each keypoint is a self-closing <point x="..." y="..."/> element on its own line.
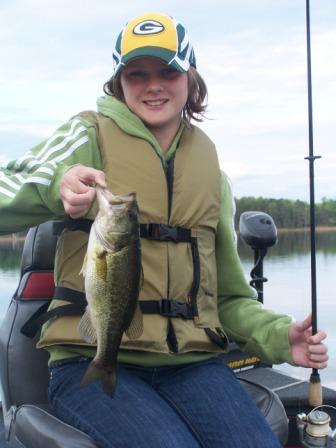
<point x="287" y="267"/>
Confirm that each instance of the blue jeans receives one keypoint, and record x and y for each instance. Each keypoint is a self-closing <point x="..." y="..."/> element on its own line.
<point x="195" y="405"/>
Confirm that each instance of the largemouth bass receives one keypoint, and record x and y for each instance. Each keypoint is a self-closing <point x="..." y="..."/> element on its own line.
<point x="112" y="270"/>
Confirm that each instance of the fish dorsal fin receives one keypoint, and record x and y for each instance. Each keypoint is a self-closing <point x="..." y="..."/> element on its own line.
<point x="83" y="270"/>
<point x="135" y="329"/>
<point x="86" y="330"/>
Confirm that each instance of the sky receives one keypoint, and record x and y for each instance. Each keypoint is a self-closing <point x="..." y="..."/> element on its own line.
<point x="56" y="56"/>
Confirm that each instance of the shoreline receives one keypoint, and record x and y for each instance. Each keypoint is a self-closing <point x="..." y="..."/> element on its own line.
<point x="13" y="237"/>
<point x="319" y="229"/>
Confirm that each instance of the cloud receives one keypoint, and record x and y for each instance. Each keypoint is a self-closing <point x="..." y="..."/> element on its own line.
<point x="57" y="55"/>
<point x="258" y="103"/>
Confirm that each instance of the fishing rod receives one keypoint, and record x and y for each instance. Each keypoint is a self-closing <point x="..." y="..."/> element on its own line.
<point x="315" y="389"/>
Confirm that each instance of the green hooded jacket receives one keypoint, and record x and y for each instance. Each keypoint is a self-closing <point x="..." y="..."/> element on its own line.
<point x="29" y="195"/>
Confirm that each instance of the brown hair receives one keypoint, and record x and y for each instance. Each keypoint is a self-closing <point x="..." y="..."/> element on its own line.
<point x="195" y="106"/>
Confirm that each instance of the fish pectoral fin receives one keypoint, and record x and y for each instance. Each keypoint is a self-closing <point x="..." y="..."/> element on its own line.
<point x="101" y="265"/>
<point x="135" y="329"/>
<point x="83" y="270"/>
<point x="86" y="330"/>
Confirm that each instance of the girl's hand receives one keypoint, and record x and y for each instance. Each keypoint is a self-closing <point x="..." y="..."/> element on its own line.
<point x="307" y="350"/>
<point x="76" y="189"/>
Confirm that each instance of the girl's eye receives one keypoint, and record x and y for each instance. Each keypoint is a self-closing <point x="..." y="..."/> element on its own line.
<point x="136" y="74"/>
<point x="170" y="73"/>
<point x="166" y="73"/>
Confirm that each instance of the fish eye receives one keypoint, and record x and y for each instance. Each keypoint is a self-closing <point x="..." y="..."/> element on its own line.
<point x="132" y="215"/>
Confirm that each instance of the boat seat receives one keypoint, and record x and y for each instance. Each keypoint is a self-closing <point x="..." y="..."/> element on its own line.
<point x="28" y="420"/>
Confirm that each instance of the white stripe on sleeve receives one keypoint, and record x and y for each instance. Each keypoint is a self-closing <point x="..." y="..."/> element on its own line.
<point x="9" y="182"/>
<point x="37" y="180"/>
<point x="29" y="156"/>
<point x="59" y="147"/>
<point x="8" y="193"/>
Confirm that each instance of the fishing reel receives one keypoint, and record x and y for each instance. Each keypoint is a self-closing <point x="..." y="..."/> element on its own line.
<point x="315" y="430"/>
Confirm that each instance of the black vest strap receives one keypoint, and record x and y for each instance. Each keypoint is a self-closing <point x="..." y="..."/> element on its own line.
<point x="221" y="341"/>
<point x="167" y="308"/>
<point x="78" y="303"/>
<point x="153" y="231"/>
<point x="197" y="275"/>
<point x="164" y="232"/>
<point x="76" y="306"/>
<point x="169" y="171"/>
<point x="72" y="224"/>
<point x="70" y="295"/>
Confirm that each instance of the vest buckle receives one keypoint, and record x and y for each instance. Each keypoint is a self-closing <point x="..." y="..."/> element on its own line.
<point x="164" y="232"/>
<point x="173" y="308"/>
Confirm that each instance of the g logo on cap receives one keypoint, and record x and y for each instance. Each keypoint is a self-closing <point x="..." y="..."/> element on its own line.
<point x="148" y="27"/>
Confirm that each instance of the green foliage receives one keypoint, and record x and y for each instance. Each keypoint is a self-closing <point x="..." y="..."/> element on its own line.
<point x="326" y="212"/>
<point x="288" y="213"/>
<point x="10" y="255"/>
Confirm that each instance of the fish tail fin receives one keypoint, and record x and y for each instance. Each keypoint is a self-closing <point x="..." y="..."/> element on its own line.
<point x="98" y="372"/>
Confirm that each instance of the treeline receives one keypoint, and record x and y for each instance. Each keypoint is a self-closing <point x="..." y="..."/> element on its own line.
<point x="10" y="256"/>
<point x="289" y="213"/>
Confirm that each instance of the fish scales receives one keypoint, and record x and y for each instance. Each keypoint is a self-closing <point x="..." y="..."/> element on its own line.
<point x="115" y="314"/>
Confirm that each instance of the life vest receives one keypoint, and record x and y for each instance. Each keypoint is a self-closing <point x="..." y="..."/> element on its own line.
<point x="179" y="212"/>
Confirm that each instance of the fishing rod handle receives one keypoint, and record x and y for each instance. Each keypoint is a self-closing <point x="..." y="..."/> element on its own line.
<point x="315" y="390"/>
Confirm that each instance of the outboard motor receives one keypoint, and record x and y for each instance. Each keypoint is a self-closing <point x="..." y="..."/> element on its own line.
<point x="258" y="230"/>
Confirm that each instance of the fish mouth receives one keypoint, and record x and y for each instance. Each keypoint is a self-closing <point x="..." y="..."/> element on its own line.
<point x="115" y="200"/>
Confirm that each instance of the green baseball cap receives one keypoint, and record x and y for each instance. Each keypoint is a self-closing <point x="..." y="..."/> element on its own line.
<point x="155" y="35"/>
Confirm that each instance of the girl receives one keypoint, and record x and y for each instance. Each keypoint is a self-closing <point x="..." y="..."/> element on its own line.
<point x="173" y="389"/>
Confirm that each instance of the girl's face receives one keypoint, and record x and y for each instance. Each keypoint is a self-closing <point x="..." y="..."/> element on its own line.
<point x="156" y="93"/>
